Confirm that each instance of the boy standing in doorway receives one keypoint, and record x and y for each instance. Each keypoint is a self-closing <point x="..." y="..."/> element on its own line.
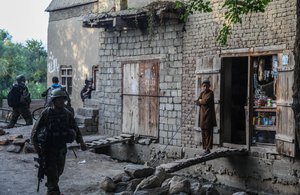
<point x="207" y="115"/>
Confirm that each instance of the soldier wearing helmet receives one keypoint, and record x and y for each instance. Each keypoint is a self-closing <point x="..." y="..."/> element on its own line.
<point x="61" y="129"/>
<point x="19" y="99"/>
<point x="20" y="78"/>
<point x="86" y="91"/>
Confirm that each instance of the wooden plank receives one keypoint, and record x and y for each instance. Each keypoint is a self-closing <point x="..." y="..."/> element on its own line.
<point x="254" y="51"/>
<point x="130" y="112"/>
<point x="235" y="146"/>
<point x="250" y="102"/>
<point x="285" y="135"/>
<point x="130" y="78"/>
<point x="264" y="109"/>
<point x="207" y="71"/>
<point x="130" y="115"/>
<point x="285" y="148"/>
<point x="148" y="78"/>
<point x="262" y="148"/>
<point x="183" y="163"/>
<point x="286" y="123"/>
<point x="284" y="89"/>
<point x="286" y="69"/>
<point x="148" y="85"/>
<point x="285" y="138"/>
<point x="265" y="127"/>
<point x="101" y="143"/>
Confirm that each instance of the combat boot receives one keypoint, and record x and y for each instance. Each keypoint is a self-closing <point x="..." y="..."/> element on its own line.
<point x="9" y="126"/>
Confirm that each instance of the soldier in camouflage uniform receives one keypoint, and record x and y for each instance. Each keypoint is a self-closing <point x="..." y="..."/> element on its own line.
<point x="22" y="108"/>
<point x="61" y="128"/>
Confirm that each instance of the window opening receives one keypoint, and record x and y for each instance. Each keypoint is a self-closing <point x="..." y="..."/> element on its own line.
<point x="66" y="78"/>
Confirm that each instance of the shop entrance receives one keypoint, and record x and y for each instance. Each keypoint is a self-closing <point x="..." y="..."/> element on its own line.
<point x="235" y="73"/>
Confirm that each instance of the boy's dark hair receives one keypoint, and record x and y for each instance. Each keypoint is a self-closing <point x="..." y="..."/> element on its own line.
<point x="55" y="80"/>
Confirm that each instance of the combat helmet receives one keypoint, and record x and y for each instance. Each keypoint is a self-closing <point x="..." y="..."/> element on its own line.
<point x="58" y="92"/>
<point x="20" y="78"/>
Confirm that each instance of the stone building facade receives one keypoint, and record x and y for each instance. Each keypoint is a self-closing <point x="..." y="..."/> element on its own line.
<point x="134" y="46"/>
<point x="271" y="32"/>
<point x="188" y="53"/>
<point x="146" y="84"/>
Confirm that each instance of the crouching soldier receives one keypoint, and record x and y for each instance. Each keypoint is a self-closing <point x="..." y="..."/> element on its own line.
<point x="52" y="131"/>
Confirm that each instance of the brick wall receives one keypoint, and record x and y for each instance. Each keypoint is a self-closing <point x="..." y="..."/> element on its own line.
<point x="277" y="26"/>
<point x="118" y="47"/>
<point x="179" y="53"/>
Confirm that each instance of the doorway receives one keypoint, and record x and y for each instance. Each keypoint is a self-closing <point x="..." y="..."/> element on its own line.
<point x="234" y="89"/>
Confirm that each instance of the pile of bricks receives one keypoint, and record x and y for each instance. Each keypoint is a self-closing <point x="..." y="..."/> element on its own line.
<point x="87" y="120"/>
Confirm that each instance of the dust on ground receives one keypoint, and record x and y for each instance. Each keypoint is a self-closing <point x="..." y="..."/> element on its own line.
<point x="81" y="176"/>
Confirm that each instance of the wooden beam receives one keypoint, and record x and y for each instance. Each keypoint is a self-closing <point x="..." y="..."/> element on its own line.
<point x="183" y="163"/>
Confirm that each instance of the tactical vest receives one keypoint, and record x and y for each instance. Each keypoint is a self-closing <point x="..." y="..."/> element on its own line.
<point x="58" y="129"/>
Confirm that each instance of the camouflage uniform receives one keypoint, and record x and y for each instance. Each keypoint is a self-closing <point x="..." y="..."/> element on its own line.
<point x="58" y="125"/>
<point x="22" y="108"/>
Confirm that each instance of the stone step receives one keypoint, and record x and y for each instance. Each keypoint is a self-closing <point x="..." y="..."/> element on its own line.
<point x="88" y="112"/>
<point x="84" y="120"/>
<point x="92" y="103"/>
<point x="88" y="130"/>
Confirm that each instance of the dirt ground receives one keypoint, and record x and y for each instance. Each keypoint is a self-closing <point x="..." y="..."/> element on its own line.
<point x="81" y="175"/>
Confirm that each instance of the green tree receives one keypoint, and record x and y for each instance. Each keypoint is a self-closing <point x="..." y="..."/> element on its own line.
<point x="37" y="57"/>
<point x="29" y="59"/>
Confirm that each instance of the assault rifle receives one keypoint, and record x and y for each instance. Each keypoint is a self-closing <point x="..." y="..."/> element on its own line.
<point x="41" y="169"/>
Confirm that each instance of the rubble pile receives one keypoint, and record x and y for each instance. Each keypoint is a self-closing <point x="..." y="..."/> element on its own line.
<point x="141" y="180"/>
<point x="15" y="142"/>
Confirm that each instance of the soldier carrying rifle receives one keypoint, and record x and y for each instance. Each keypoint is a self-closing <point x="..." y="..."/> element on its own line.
<point x="52" y="131"/>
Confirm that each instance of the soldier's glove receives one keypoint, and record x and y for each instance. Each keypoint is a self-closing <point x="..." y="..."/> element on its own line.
<point x="83" y="146"/>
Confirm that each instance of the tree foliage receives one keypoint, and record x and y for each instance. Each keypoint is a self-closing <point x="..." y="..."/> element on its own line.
<point x="234" y="11"/>
<point x="29" y="59"/>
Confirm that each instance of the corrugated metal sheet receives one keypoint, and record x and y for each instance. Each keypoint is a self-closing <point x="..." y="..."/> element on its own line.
<point x="63" y="4"/>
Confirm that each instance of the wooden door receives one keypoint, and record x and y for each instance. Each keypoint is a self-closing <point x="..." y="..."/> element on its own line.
<point x="140" y="98"/>
<point x="285" y="134"/>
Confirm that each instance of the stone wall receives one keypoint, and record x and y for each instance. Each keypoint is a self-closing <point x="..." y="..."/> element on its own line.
<point x="277" y="26"/>
<point x="179" y="52"/>
<point x="253" y="173"/>
<point x="117" y="47"/>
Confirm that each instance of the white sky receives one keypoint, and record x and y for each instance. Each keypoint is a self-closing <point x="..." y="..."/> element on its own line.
<point x="25" y="19"/>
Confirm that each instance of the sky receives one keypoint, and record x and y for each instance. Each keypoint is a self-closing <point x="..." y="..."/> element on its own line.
<point x="25" y="19"/>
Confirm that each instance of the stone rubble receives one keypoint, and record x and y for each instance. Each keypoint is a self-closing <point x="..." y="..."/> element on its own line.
<point x="159" y="182"/>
